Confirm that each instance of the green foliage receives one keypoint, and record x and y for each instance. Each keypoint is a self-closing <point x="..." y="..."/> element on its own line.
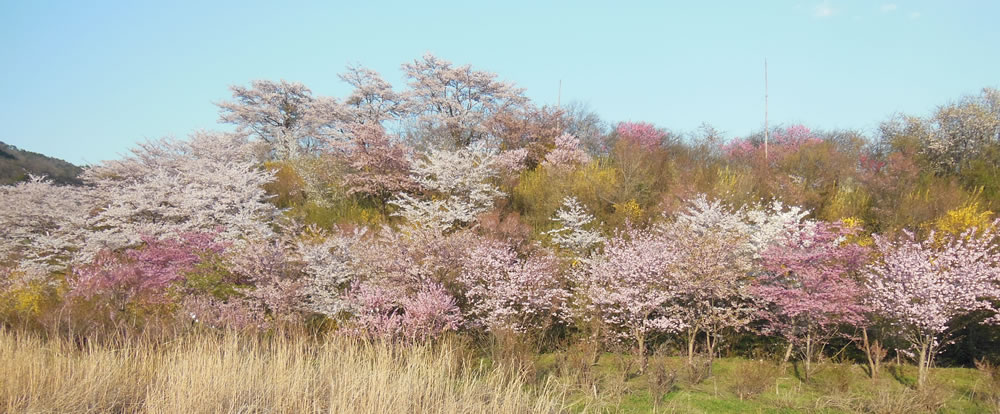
<point x="739" y="385"/>
<point x="540" y="192"/>
<point x="288" y="188"/>
<point x="736" y="185"/>
<point x="983" y="172"/>
<point x="849" y="199"/>
<point x="347" y="210"/>
<point x="643" y="173"/>
<point x="211" y="277"/>
<point x="908" y="198"/>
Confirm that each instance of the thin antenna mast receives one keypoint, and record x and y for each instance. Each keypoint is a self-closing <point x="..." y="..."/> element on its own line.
<point x="559" y="98"/>
<point x="765" y="109"/>
<point x="559" y="107"/>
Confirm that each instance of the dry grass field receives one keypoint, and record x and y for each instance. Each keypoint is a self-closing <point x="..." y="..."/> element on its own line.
<point x="234" y="374"/>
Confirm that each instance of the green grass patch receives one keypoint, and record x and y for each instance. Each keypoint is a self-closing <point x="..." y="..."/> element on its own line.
<point x="736" y="385"/>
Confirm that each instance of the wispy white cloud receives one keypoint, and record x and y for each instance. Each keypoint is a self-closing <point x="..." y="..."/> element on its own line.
<point x="914" y="15"/>
<point x="889" y="7"/>
<point x="824" y="9"/>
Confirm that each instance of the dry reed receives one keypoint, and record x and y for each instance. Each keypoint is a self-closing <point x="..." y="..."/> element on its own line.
<point x="231" y="373"/>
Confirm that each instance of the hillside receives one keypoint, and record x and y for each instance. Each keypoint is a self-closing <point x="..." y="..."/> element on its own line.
<point x="16" y="164"/>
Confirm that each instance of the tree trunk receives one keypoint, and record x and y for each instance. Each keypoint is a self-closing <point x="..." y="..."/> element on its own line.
<point x="710" y="347"/>
<point x="921" y="366"/>
<point x="872" y="368"/>
<point x="641" y="352"/>
<point x="881" y="356"/>
<point x="788" y="354"/>
<point x="808" y="355"/>
<point x="692" y="334"/>
<point x="926" y="356"/>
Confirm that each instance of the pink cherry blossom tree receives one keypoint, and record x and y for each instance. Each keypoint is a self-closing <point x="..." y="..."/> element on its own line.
<point x="509" y="293"/>
<point x="373" y="101"/>
<point x="922" y="285"/>
<point x="575" y="233"/>
<point x="391" y="312"/>
<point x="379" y="166"/>
<point x="454" y="102"/>
<point x="169" y="187"/>
<point x="396" y="284"/>
<point x="566" y="155"/>
<point x="808" y="288"/>
<point x="270" y="282"/>
<point x="512" y="161"/>
<point x="283" y="114"/>
<point x="43" y="224"/>
<point x="430" y="312"/>
<point x="711" y="280"/>
<point x="629" y="288"/>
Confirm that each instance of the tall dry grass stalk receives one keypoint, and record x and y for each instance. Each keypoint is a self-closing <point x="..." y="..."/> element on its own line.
<point x="230" y="373"/>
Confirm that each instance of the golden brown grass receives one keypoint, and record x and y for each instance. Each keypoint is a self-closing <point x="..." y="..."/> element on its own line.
<point x="231" y="373"/>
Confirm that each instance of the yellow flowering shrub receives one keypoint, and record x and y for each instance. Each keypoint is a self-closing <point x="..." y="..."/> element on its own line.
<point x="629" y="210"/>
<point x="957" y="221"/>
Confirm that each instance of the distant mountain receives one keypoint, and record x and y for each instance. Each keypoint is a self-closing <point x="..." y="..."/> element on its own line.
<point x="16" y="164"/>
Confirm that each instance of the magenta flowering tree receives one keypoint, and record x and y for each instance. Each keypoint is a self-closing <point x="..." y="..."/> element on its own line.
<point x="921" y="286"/>
<point x="629" y="288"/>
<point x="642" y="134"/>
<point x="143" y="275"/>
<point x="808" y="288"/>
<point x="509" y="293"/>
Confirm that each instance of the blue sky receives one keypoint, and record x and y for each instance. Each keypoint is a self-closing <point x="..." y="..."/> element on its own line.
<point x="83" y="81"/>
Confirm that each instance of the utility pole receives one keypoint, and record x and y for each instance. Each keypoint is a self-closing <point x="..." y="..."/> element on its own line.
<point x="765" y="110"/>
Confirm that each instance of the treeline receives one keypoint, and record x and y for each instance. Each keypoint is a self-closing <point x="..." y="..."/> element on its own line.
<point x="17" y="164"/>
<point x="458" y="205"/>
